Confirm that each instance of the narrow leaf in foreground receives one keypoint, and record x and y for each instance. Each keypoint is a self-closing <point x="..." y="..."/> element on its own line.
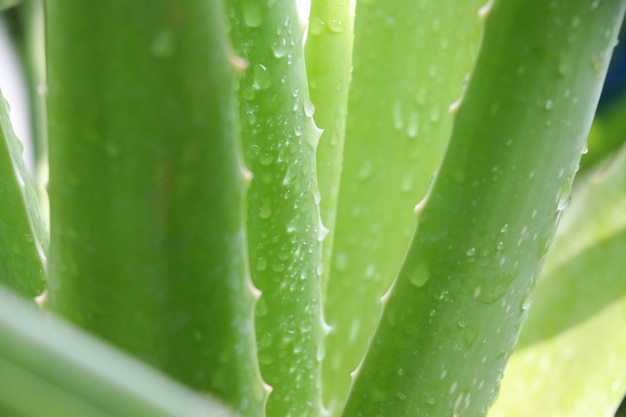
<point x="50" y="368"/>
<point x="329" y="65"/>
<point x="453" y="315"/>
<point x="23" y="236"/>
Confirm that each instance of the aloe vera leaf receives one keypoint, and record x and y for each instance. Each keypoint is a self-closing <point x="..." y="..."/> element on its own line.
<point x="328" y="52"/>
<point x="23" y="237"/>
<point x="284" y="229"/>
<point x="146" y="190"/>
<point x="570" y="359"/>
<point x="5" y="4"/>
<point x="454" y="312"/>
<point x="49" y="368"/>
<point x="410" y="60"/>
<point x="31" y="17"/>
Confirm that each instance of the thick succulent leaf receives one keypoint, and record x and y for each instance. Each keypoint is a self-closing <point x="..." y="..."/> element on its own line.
<point x="410" y="60"/>
<point x="284" y="229"/>
<point x="570" y="360"/>
<point x="146" y="189"/>
<point x="329" y="67"/>
<point x="50" y="368"/>
<point x="23" y="236"/>
<point x="454" y="313"/>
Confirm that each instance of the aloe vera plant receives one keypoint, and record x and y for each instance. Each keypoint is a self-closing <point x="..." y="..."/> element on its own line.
<point x="232" y="226"/>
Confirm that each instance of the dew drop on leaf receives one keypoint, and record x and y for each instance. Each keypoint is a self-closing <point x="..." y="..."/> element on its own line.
<point x="163" y="44"/>
<point x="261" y="264"/>
<point x="412" y="127"/>
<point x="549" y="105"/>
<point x="564" y="196"/>
<point x="252" y="15"/>
<point x="261" y="77"/>
<point x="279" y="48"/>
<point x="335" y="25"/>
<point x="316" y="26"/>
<point x="265" y="211"/>
<point x="420" y="275"/>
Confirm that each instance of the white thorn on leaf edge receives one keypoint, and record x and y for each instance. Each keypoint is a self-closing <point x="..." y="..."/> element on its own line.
<point x="483" y="12"/>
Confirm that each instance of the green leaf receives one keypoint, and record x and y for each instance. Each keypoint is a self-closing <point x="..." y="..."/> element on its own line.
<point x="49" y="368"/>
<point x="284" y="227"/>
<point x="5" y="4"/>
<point x="32" y="51"/>
<point x="570" y="360"/>
<point x="410" y="59"/>
<point x="23" y="237"/>
<point x="146" y="189"/>
<point x="455" y="310"/>
<point x="329" y="65"/>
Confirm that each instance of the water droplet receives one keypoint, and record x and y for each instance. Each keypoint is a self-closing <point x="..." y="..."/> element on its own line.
<point x="401" y="395"/>
<point x="322" y="232"/>
<point x="316" y="26"/>
<point x="407" y="183"/>
<point x="527" y="301"/>
<point x="434" y="114"/>
<point x="309" y="108"/>
<point x="470" y="333"/>
<point x="564" y="196"/>
<point x="278" y="267"/>
<point x="493" y="288"/>
<point x="261" y="77"/>
<point x="335" y="25"/>
<point x="477" y="292"/>
<point x="265" y="158"/>
<point x="453" y="387"/>
<point x="265" y="211"/>
<point x="549" y="105"/>
<point x="320" y="352"/>
<point x="280" y="48"/>
<point x="252" y="15"/>
<point x="420" y="275"/>
<point x="412" y="127"/>
<point x="163" y="45"/>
